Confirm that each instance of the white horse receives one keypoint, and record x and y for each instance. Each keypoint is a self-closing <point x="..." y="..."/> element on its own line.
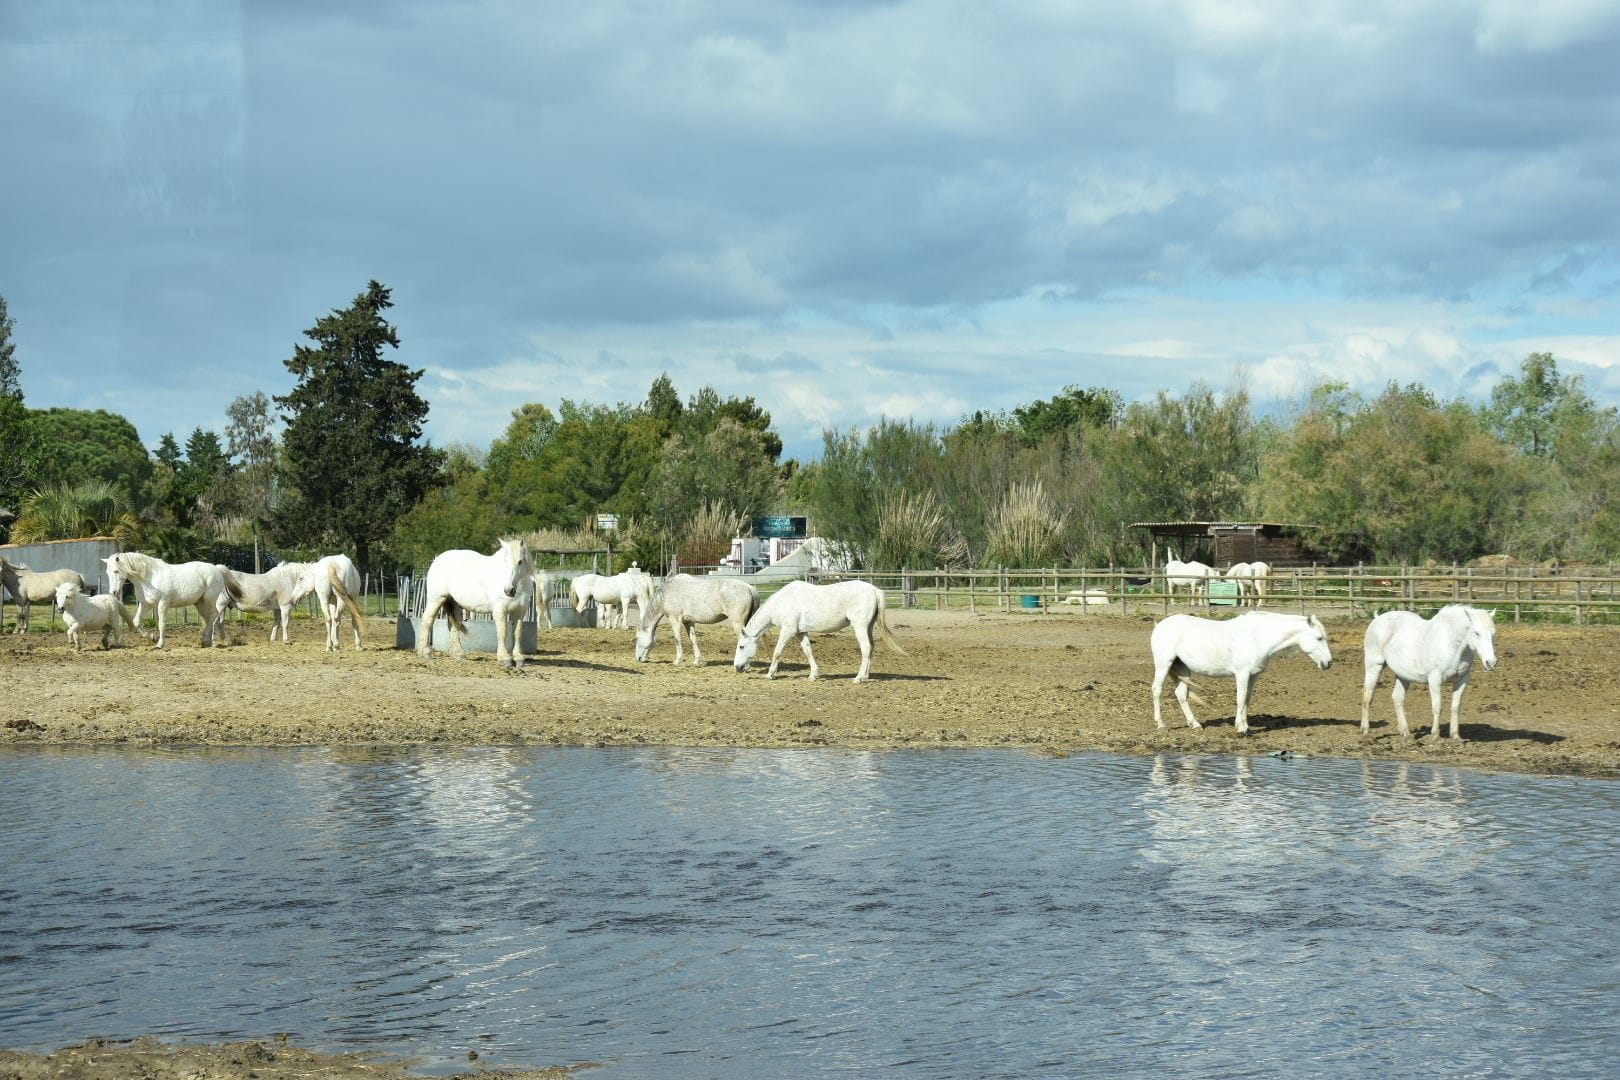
<point x="162" y="585"/>
<point x="28" y="587"/>
<point x="1433" y="651"/>
<point x="686" y="601"/>
<point x="1251" y="578"/>
<point x="613" y="595"/>
<point x="1186" y="645"/>
<point x="275" y="591"/>
<point x="495" y="583"/>
<point x="335" y="581"/>
<point x="105" y="613"/>
<point x="542" y="598"/>
<point x="1193" y="575"/>
<point x="800" y="609"/>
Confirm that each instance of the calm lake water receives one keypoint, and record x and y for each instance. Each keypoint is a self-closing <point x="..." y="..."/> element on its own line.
<point x="749" y="913"/>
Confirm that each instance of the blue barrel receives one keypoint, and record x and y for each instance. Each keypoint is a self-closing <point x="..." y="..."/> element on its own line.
<point x="1030" y="600"/>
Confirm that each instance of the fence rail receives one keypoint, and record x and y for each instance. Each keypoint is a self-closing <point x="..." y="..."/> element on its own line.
<point x="1580" y="595"/>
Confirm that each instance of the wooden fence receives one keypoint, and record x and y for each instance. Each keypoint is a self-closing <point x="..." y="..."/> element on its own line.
<point x="1577" y="594"/>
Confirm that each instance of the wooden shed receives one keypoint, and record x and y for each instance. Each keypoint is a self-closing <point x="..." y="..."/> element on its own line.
<point x="1222" y="543"/>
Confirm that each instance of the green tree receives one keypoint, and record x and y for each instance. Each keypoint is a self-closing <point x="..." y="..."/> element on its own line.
<point x="10" y="373"/>
<point x="77" y="511"/>
<point x="457" y="514"/>
<point x="251" y="442"/>
<point x="352" y="464"/>
<point x="1073" y="412"/>
<point x="85" y="445"/>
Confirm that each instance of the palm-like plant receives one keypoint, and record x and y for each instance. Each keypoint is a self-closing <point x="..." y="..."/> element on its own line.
<point x="77" y="511"/>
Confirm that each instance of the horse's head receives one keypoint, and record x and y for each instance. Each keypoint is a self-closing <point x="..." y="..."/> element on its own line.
<point x="520" y="565"/>
<point x="1313" y="642"/>
<point x="65" y="594"/>
<point x="1482" y="636"/>
<point x="116" y="573"/>
<point x="747" y="646"/>
<point x="646" y="637"/>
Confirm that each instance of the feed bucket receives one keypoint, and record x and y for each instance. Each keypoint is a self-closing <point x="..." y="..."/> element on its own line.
<point x="1030" y="600"/>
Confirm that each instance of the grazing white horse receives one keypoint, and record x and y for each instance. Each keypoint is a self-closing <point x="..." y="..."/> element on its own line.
<point x="1186" y="645"/>
<point x="1433" y="651"/>
<point x="105" y="613"/>
<point x="686" y="601"/>
<point x="1192" y="575"/>
<point x="800" y="609"/>
<point x="614" y="595"/>
<point x="495" y="583"/>
<point x="275" y="591"/>
<point x="1252" y="579"/>
<point x="28" y="587"/>
<point x="335" y="581"/>
<point x="162" y="585"/>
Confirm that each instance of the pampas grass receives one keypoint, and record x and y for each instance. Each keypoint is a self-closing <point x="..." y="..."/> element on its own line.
<point x="913" y="532"/>
<point x="1024" y="530"/>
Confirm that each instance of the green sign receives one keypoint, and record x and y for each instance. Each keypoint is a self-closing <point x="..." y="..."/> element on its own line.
<point x="787" y="528"/>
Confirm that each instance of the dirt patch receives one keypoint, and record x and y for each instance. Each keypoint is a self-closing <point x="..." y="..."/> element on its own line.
<point x="1053" y="682"/>
<point x="149" y="1059"/>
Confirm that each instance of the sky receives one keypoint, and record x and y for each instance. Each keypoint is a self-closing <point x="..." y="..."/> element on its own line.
<point x="845" y="210"/>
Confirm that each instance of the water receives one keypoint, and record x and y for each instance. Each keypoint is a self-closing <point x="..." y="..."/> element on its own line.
<point x="747" y="913"/>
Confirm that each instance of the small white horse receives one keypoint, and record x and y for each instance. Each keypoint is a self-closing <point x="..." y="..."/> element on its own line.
<point x="275" y="591"/>
<point x="105" y="613"/>
<point x="162" y="585"/>
<point x="28" y="587"/>
<point x="800" y="609"/>
<point x="686" y="601"/>
<point x="1186" y="645"/>
<point x="1433" y="651"/>
<point x="495" y="583"/>
<point x="1252" y="579"/>
<point x="613" y="596"/>
<point x="1192" y="575"/>
<point x="335" y="581"/>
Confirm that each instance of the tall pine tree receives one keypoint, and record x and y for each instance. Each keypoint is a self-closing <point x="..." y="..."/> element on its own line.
<point x="353" y="463"/>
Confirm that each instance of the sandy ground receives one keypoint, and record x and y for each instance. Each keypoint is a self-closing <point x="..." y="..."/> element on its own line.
<point x="1053" y="682"/>
<point x="149" y="1059"/>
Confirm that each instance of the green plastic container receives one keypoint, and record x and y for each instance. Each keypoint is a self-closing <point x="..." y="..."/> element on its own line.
<point x="1030" y="600"/>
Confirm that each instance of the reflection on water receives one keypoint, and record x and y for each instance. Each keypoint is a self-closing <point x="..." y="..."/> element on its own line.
<point x="745" y="913"/>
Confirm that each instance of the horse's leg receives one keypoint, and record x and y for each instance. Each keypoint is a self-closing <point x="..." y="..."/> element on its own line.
<point x="424" y="643"/>
<point x="1398" y="694"/>
<point x="782" y="637"/>
<point x="804" y="643"/>
<point x="333" y="610"/>
<point x="1159" y="672"/>
<point x="1457" y="688"/>
<point x="1245" y="683"/>
<point x="452" y="613"/>
<point x="162" y="614"/>
<point x="1368" y="685"/>
<point x="1437" y="690"/>
<point x="208" y="623"/>
<point x="1183" y="688"/>
<point x="697" y="653"/>
<point x="863" y="634"/>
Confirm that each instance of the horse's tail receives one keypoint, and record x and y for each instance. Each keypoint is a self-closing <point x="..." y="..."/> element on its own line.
<point x="233" y="585"/>
<point x="335" y="575"/>
<point x="886" y="634"/>
<point x="1182" y="672"/>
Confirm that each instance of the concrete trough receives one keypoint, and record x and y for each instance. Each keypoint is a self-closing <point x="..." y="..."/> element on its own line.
<point x="480" y="635"/>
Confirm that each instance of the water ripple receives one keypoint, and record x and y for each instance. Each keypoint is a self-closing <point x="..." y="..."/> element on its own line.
<point x="739" y="913"/>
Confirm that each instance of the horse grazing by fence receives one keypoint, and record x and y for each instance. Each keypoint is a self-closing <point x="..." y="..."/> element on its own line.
<point x="1192" y="576"/>
<point x="81" y="613"/>
<point x="162" y="585"/>
<point x="1252" y="580"/>
<point x="336" y="582"/>
<point x="686" y="601"/>
<point x="1433" y="651"/>
<point x="1186" y="645"/>
<point x="497" y="583"/>
<point x="275" y="591"/>
<point x="28" y="588"/>
<point x="613" y="595"/>
<point x="800" y="609"/>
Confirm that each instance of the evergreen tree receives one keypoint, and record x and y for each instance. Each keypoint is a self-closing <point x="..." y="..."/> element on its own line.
<point x="9" y="373"/>
<point x="352" y="464"/>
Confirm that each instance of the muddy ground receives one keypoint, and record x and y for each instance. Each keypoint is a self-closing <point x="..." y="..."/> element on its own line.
<point x="1053" y="682"/>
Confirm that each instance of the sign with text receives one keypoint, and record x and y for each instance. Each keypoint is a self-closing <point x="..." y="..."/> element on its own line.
<point x="784" y="528"/>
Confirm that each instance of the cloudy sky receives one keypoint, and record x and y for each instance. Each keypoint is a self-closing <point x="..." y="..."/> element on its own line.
<point x="847" y="210"/>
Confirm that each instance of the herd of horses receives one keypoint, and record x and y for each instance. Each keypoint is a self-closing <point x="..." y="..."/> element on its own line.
<point x="1432" y="652"/>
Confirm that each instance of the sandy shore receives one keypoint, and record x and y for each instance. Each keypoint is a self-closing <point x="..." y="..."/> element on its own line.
<point x="1052" y="682"/>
